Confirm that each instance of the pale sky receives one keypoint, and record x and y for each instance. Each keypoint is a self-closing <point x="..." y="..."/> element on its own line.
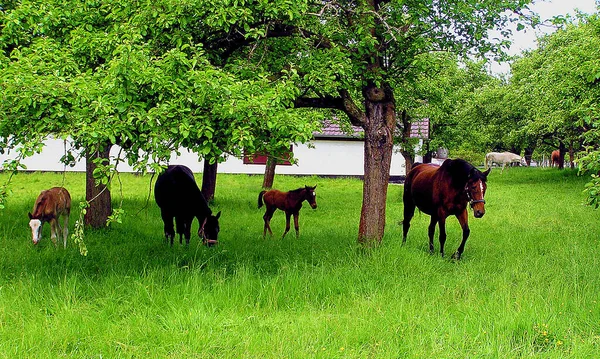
<point x="546" y="9"/>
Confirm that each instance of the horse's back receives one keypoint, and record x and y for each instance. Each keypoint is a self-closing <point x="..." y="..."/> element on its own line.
<point x="275" y="198"/>
<point x="52" y="202"/>
<point x="176" y="190"/>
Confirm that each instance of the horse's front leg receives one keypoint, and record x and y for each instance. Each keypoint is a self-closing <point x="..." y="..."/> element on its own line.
<point x="463" y="219"/>
<point x="168" y="228"/>
<point x="187" y="229"/>
<point x="296" y="226"/>
<point x="287" y="223"/>
<point x="65" y="230"/>
<point x="53" y="231"/>
<point x="442" y="222"/>
<point x="431" y="233"/>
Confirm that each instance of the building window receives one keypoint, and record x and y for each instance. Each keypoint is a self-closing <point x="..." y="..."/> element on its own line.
<point x="261" y="159"/>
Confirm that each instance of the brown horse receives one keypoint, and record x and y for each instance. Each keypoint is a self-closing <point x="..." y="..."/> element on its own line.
<point x="441" y="191"/>
<point x="49" y="207"/>
<point x="289" y="202"/>
<point x="555" y="158"/>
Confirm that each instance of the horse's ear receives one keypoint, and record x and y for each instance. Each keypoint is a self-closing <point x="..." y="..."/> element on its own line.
<point x="218" y="215"/>
<point x="486" y="173"/>
<point x="315" y="187"/>
<point x="29" y="214"/>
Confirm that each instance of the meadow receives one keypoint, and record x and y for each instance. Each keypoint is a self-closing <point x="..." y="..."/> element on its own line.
<point x="528" y="284"/>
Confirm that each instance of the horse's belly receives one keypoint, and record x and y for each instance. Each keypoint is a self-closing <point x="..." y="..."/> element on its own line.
<point x="423" y="202"/>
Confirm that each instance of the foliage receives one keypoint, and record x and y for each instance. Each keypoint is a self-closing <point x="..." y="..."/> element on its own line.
<point x="221" y="76"/>
<point x="132" y="74"/>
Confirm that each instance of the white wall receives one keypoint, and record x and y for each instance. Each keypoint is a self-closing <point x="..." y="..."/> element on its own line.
<point x="324" y="157"/>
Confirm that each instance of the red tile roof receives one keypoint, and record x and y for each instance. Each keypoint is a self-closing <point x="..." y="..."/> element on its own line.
<point x="419" y="129"/>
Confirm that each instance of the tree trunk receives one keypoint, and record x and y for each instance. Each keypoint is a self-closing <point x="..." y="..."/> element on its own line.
<point x="572" y="156"/>
<point x="527" y="154"/>
<point x="98" y="195"/>
<point x="409" y="159"/>
<point x="561" y="160"/>
<point x="406" y="147"/>
<point x="379" y="125"/>
<point x="269" y="173"/>
<point x="209" y="180"/>
<point x="428" y="156"/>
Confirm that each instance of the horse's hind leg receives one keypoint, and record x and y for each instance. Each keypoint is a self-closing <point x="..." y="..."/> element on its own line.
<point x="267" y="218"/>
<point x="296" y="226"/>
<point x="409" y="212"/>
<point x="287" y="223"/>
<point x="431" y="233"/>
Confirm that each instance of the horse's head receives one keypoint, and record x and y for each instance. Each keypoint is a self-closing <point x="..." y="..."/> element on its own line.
<point x="36" y="228"/>
<point x="209" y="230"/>
<point x="475" y="189"/>
<point x="311" y="196"/>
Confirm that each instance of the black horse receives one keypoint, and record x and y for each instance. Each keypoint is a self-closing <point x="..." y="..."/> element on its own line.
<point x="179" y="197"/>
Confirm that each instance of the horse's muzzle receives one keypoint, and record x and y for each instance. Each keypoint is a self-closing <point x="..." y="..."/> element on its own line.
<point x="478" y="213"/>
<point x="313" y="206"/>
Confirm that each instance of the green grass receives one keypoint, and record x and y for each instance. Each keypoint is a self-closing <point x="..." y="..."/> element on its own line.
<point x="528" y="284"/>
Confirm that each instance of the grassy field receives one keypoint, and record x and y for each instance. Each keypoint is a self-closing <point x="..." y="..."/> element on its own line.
<point x="528" y="284"/>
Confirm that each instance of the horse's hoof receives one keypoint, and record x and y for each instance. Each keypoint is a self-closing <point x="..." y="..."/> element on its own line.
<point x="211" y="242"/>
<point x="456" y="256"/>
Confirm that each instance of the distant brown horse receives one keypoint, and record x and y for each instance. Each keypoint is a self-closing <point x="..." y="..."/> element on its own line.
<point x="555" y="158"/>
<point x="49" y="207"/>
<point x="441" y="191"/>
<point x="289" y="202"/>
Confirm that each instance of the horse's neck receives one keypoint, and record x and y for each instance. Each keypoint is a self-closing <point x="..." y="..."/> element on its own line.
<point x="297" y="196"/>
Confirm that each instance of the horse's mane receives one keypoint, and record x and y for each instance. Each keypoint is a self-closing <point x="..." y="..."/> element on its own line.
<point x="459" y="170"/>
<point x="298" y="190"/>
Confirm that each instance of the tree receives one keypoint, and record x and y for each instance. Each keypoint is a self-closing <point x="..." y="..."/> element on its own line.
<point x="356" y="53"/>
<point x="103" y="73"/>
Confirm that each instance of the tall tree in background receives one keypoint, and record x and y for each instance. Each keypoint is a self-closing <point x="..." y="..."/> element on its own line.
<point x="351" y="55"/>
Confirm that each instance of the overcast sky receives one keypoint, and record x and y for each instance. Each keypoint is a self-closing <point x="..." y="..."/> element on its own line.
<point x="546" y="9"/>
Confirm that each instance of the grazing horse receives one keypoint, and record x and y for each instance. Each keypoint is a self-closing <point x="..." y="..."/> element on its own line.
<point x="49" y="207"/>
<point x="555" y="158"/>
<point x="289" y="202"/>
<point x="502" y="158"/>
<point x="441" y="191"/>
<point x="179" y="197"/>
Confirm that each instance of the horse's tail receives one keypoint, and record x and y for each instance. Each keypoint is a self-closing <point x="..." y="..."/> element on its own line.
<point x="260" y="198"/>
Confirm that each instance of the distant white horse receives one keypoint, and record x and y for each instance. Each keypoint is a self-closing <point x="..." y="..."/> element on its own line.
<point x="502" y="158"/>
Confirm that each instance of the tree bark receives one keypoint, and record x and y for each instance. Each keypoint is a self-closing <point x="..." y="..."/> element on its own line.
<point x="209" y="180"/>
<point x="379" y="125"/>
<point x="97" y="195"/>
<point x="428" y="156"/>
<point x="269" y="177"/>
<point x="527" y="154"/>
